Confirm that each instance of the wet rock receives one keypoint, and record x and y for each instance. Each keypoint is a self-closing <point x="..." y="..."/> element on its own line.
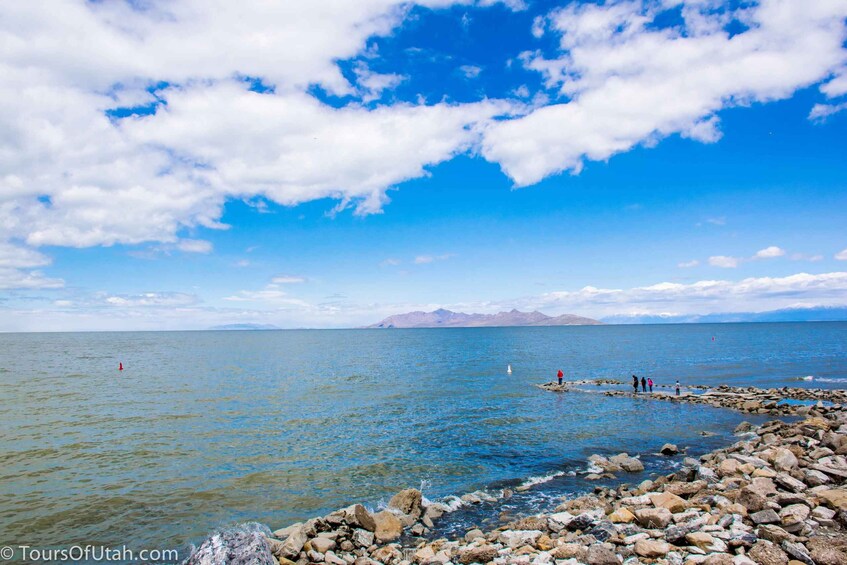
<point x="407" y="501"/>
<point x="244" y="545"/>
<point x="355" y="516"/>
<point x="669" y="449"/>
<point x="627" y="463"/>
<point x="766" y="553"/>
<point x="652" y="548"/>
<point x="743" y="427"/>
<point x="473" y="534"/>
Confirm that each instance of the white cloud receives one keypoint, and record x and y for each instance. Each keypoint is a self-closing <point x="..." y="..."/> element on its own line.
<point x="688" y="264"/>
<point x="390" y="262"/>
<point x="287" y="279"/>
<point x="194" y="246"/>
<point x="728" y="262"/>
<point x="820" y="112"/>
<point x="806" y="257"/>
<point x="71" y="175"/>
<point x="725" y="261"/>
<point x="629" y="82"/>
<point x="769" y="253"/>
<point x="470" y="71"/>
<point x="17" y="264"/>
<point x="702" y="297"/>
<point x="151" y="299"/>
<point x="841" y="255"/>
<point x="424" y="259"/>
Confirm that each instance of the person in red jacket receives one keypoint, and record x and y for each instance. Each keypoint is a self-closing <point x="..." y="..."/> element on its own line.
<point x="560" y="374"/>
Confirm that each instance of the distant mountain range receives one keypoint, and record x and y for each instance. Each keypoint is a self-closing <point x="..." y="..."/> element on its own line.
<point x="447" y="319"/>
<point x="245" y="327"/>
<point x="837" y="314"/>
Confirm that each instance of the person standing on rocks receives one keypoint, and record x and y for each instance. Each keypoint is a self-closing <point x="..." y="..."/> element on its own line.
<point x="560" y="374"/>
<point x="635" y="383"/>
<point x="650" y="384"/>
<point x="677" y="387"/>
<point x="643" y="384"/>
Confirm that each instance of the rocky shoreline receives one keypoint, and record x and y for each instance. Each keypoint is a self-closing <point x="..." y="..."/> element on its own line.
<point x="776" y="497"/>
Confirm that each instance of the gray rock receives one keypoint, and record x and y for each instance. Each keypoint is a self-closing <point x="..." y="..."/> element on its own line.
<point x="362" y="538"/>
<point x="767" y="516"/>
<point x="602" y="531"/>
<point x="797" y="551"/>
<point x="598" y="554"/>
<point x="581" y="522"/>
<point x="789" y="483"/>
<point x="244" y="545"/>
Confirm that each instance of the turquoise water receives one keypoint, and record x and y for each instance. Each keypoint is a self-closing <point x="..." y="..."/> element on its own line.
<point x="207" y="429"/>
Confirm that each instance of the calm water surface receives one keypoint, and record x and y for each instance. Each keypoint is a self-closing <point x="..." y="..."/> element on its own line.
<point x="206" y="429"/>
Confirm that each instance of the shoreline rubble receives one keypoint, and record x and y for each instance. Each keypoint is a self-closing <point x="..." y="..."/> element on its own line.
<point x="778" y="496"/>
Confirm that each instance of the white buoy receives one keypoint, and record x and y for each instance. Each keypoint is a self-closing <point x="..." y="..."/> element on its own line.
<point x="509" y="369"/>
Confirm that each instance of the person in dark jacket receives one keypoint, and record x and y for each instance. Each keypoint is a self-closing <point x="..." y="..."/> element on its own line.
<point x="635" y="384"/>
<point x="643" y="384"/>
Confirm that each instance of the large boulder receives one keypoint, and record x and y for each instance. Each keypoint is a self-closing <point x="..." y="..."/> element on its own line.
<point x="627" y="463"/>
<point x="517" y="538"/>
<point x="243" y="545"/>
<point x="388" y="526"/>
<point x="407" y="501"/>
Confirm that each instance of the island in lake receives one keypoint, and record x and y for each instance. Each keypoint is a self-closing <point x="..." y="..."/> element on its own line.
<point x="442" y="318"/>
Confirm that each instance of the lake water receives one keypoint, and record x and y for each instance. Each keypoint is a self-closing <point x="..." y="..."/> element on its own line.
<point x="207" y="429"/>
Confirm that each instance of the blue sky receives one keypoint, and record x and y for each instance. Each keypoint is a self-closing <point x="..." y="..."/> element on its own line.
<point x="182" y="165"/>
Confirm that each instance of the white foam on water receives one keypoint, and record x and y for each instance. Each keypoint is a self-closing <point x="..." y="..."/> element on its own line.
<point x="833" y="380"/>
<point x="808" y="378"/>
<point x="533" y="481"/>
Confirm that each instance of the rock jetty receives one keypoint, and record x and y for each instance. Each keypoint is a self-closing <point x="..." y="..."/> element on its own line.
<point x="778" y="496"/>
